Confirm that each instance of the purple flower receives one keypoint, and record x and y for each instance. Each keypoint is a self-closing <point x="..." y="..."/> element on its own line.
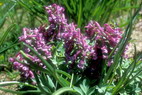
<point x="36" y="39"/>
<point x="105" y="38"/>
<point x="23" y="69"/>
<point x="57" y="20"/>
<point x="56" y="14"/>
<point x="16" y="65"/>
<point x="81" y="64"/>
<point x="11" y="60"/>
<point x="76" y="46"/>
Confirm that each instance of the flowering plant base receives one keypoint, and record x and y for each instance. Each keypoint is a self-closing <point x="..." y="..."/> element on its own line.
<point x="82" y="53"/>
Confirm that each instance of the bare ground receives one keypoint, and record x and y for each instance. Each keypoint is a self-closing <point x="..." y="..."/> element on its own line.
<point x="136" y="39"/>
<point x="5" y="77"/>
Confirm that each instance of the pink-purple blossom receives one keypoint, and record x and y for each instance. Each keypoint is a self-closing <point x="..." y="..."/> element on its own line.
<point x="105" y="38"/>
<point x="36" y="39"/>
<point x="18" y="61"/>
<point x="56" y="14"/>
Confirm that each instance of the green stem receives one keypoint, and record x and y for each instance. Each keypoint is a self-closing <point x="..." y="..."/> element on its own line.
<point x="71" y="80"/>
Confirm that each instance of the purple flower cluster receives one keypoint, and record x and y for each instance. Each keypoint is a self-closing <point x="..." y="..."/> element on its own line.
<point x="105" y="38"/>
<point x="36" y="39"/>
<point x="25" y="71"/>
<point x="56" y="14"/>
<point x="79" y="48"/>
<point x="76" y="47"/>
<point x="57" y="21"/>
<point x="75" y="43"/>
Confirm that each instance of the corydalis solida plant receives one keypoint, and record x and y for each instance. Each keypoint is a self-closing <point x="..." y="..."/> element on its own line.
<point x="82" y="51"/>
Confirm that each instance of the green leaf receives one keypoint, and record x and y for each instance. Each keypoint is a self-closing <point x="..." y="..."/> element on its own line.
<point x="51" y="68"/>
<point x="79" y="90"/>
<point x="9" y="83"/>
<point x="51" y="83"/>
<point x="6" y="33"/>
<point x="63" y="90"/>
<point x="121" y="47"/>
<point x="63" y="73"/>
<point x="91" y="91"/>
<point x="42" y="88"/>
<point x="2" y="21"/>
<point x="68" y="7"/>
<point x="63" y="81"/>
<point x="126" y="75"/>
<point x="2" y="50"/>
<point x="84" y="86"/>
<point x="79" y="14"/>
<point x="20" y="92"/>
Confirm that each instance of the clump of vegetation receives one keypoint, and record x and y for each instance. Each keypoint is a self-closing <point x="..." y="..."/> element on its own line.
<point x="68" y="56"/>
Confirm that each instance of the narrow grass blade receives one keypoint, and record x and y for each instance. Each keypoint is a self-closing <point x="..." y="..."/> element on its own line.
<point x="40" y="85"/>
<point x="79" y="14"/>
<point x="6" y="14"/>
<point x="6" y="33"/>
<point x="121" y="46"/>
<point x="4" y="49"/>
<point x="51" y="68"/>
<point x="2" y="21"/>
<point x="9" y="83"/>
<point x="68" y="7"/>
<point x="63" y="82"/>
<point x="64" y="89"/>
<point x="19" y="92"/>
<point x="127" y="73"/>
<point x="32" y="65"/>
<point x="64" y="73"/>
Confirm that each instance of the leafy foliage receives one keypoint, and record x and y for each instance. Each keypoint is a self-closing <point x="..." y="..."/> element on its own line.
<point x="123" y="77"/>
